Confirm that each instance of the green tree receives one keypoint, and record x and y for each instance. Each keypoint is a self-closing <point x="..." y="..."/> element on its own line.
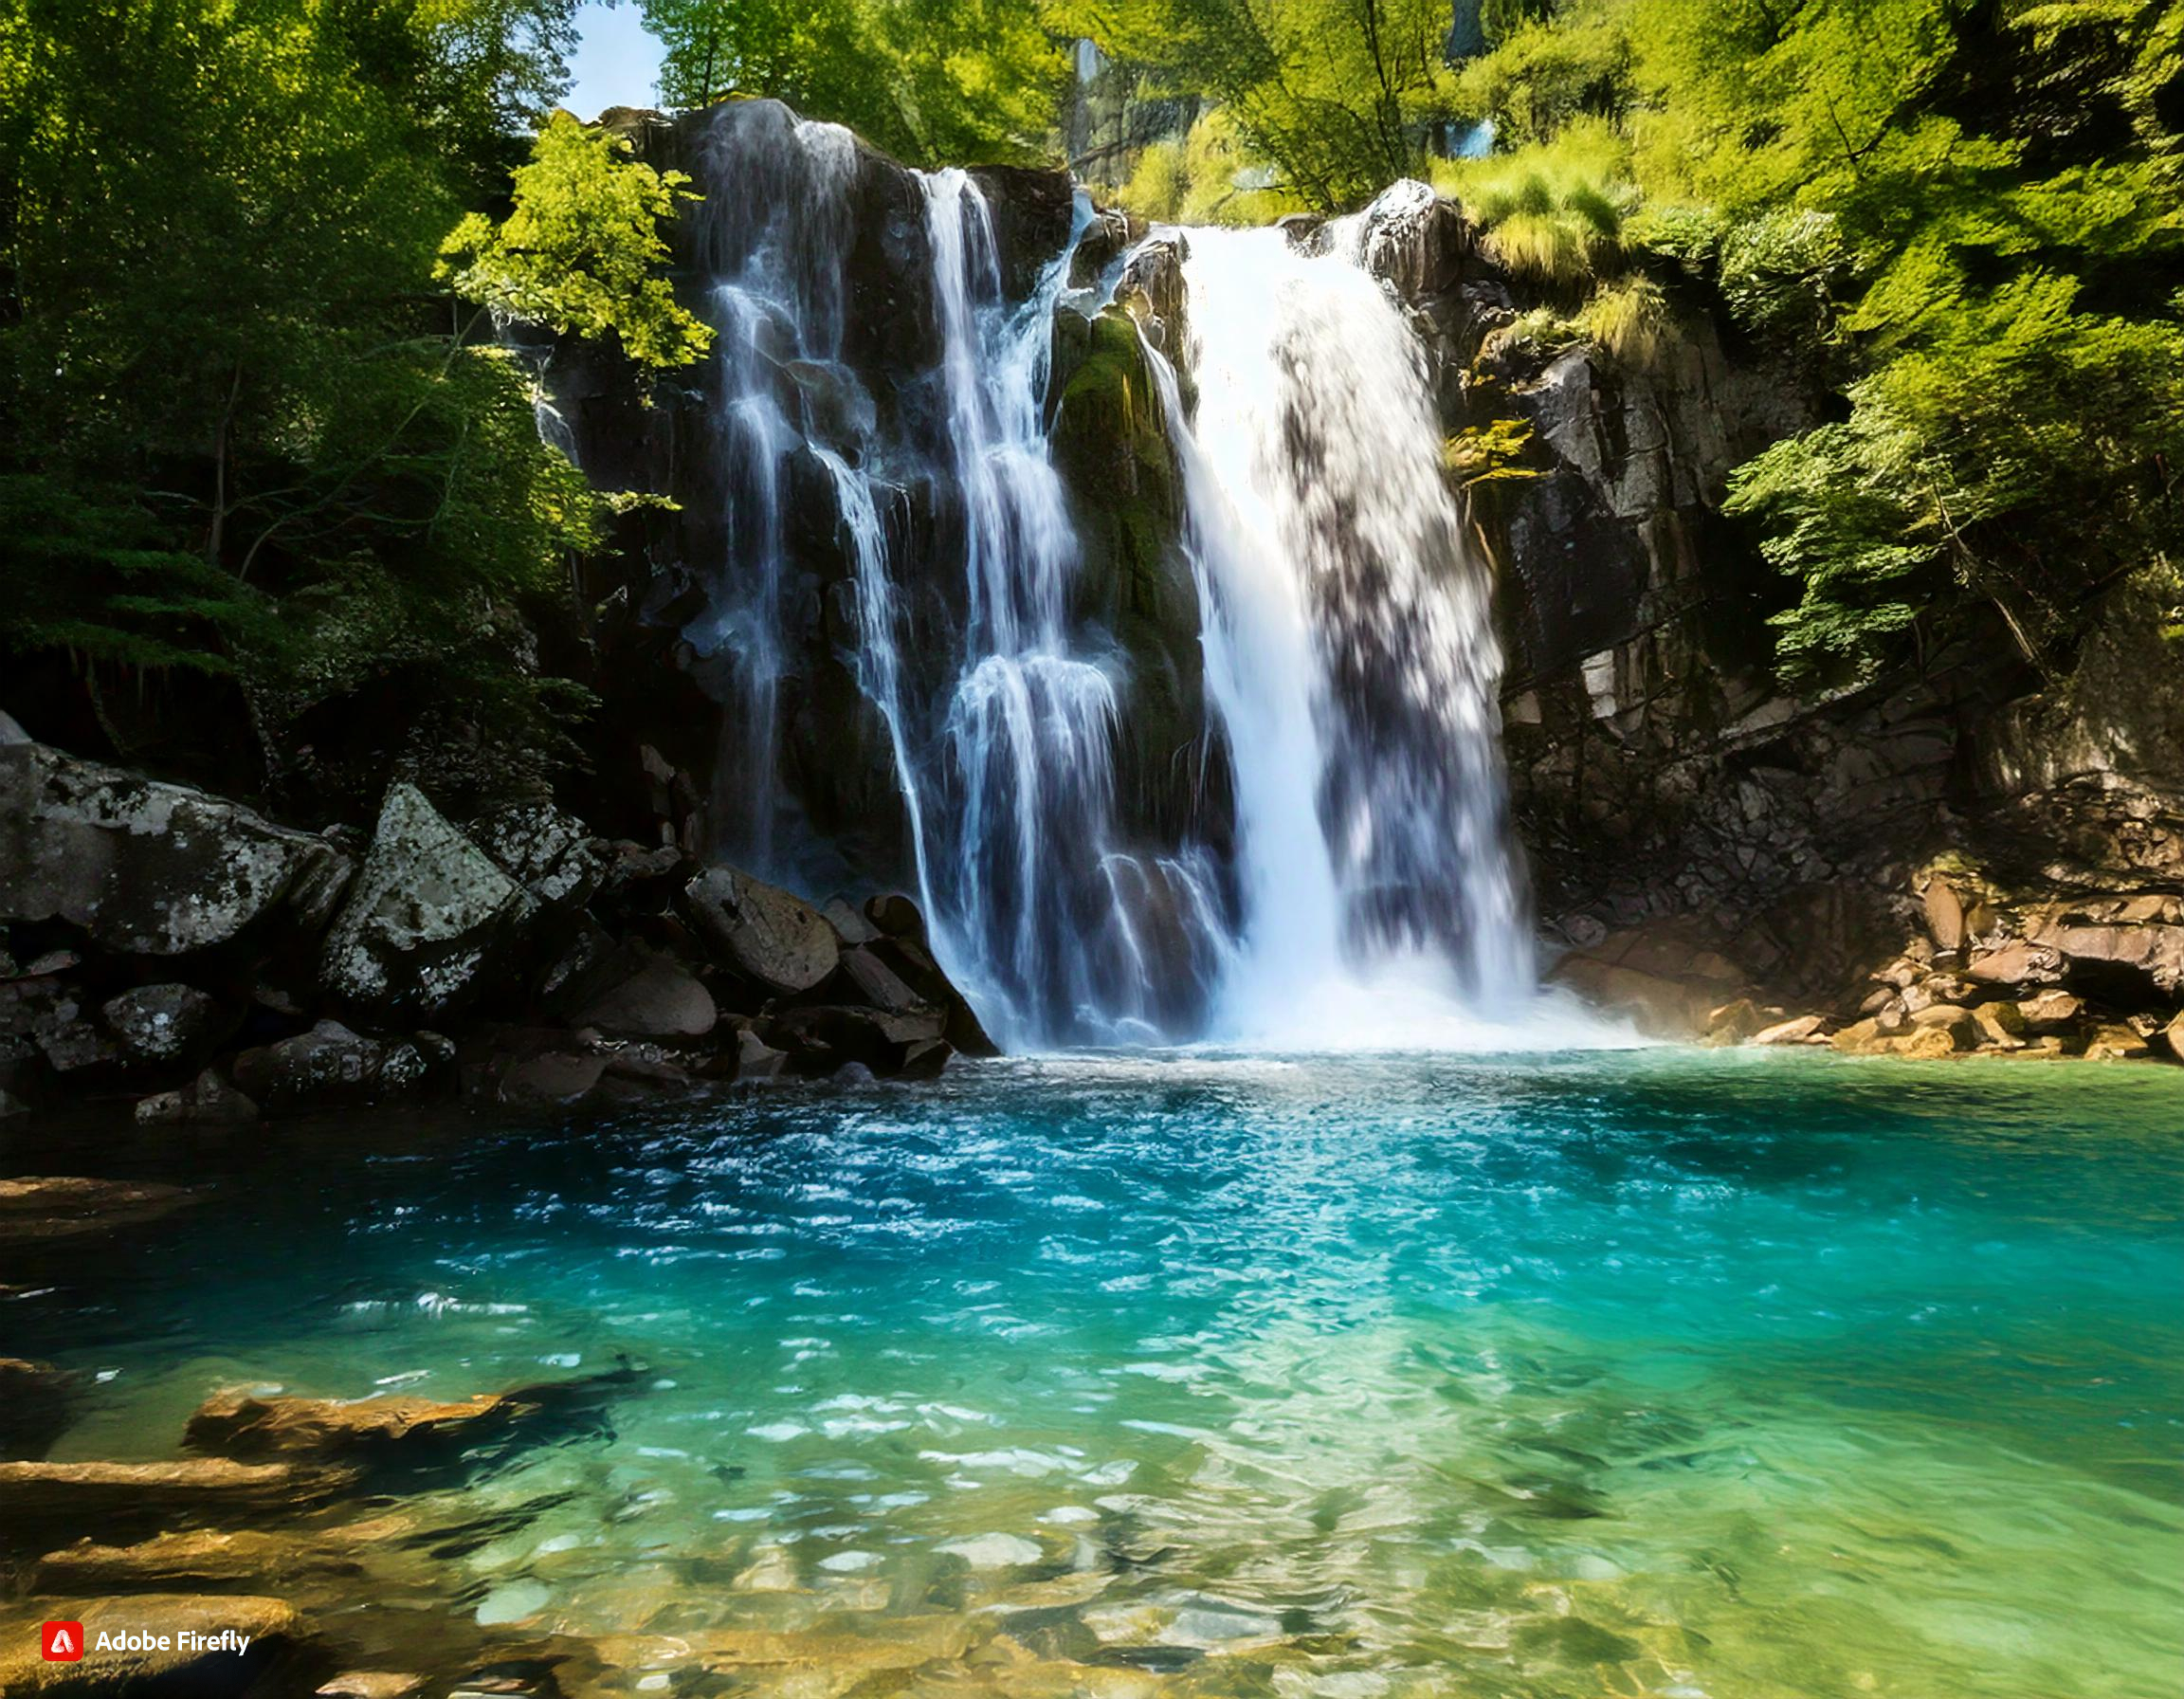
<point x="932" y="81"/>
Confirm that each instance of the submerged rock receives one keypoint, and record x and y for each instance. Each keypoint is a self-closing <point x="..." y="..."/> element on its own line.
<point x="427" y="920"/>
<point x="67" y="1206"/>
<point x="168" y="1634"/>
<point x="36" y="1497"/>
<point x="147" y="869"/>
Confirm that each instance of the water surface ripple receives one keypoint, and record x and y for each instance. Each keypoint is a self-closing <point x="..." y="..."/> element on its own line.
<point x="1633" y="1373"/>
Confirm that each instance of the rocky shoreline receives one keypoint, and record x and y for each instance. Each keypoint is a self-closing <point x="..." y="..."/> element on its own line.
<point x="176" y="951"/>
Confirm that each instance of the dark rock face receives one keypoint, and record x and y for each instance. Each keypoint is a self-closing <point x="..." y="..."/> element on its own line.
<point x="1694" y="831"/>
<point x="329" y="1067"/>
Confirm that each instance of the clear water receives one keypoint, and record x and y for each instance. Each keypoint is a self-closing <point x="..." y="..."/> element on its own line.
<point x="1640" y="1373"/>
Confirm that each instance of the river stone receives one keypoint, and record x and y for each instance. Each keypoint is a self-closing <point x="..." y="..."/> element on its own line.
<point x="328" y="1065"/>
<point x="428" y="916"/>
<point x="661" y="998"/>
<point x="163" y="1023"/>
<point x="760" y="930"/>
<point x="208" y="1101"/>
<point x="148" y="869"/>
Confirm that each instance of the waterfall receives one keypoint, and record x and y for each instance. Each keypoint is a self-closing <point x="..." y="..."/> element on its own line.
<point x="1349" y="654"/>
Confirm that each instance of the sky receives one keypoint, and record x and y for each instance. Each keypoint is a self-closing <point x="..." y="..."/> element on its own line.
<point x="615" y="63"/>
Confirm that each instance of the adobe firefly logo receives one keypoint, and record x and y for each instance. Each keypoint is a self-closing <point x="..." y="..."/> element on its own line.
<point x="62" y="1642"/>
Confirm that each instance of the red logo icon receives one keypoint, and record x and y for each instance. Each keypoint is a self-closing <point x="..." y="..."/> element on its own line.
<point x="62" y="1642"/>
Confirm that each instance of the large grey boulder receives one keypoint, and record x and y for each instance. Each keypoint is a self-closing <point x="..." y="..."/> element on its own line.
<point x="426" y="920"/>
<point x="148" y="869"/>
<point x="763" y="932"/>
<point x="553" y="855"/>
<point x="649" y="996"/>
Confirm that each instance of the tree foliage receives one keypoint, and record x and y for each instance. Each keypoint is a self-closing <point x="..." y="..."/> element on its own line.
<point x="247" y="436"/>
<point x="932" y="81"/>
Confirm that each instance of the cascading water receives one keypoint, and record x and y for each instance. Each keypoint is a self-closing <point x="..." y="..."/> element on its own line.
<point x="1350" y="652"/>
<point x="1002" y="754"/>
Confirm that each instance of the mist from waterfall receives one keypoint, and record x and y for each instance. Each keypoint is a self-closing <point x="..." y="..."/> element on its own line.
<point x="1351" y="655"/>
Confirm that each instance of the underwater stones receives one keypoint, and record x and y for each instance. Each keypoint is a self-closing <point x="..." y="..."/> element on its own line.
<point x="35" y="1496"/>
<point x="178" y="1644"/>
<point x="425" y="919"/>
<point x="370" y="1684"/>
<point x="330" y="1065"/>
<point x="150" y="868"/>
<point x="760" y="930"/>
<point x="208" y="1101"/>
<point x="67" y="1206"/>
<point x="192" y="1559"/>
<point x="993" y="1551"/>
<point x="157" y="1024"/>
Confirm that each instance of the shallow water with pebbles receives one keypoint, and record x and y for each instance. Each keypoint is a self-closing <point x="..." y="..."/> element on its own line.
<point x="1646" y="1373"/>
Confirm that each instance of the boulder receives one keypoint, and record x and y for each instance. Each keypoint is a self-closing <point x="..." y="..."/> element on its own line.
<point x="190" y="1646"/>
<point x="208" y="1101"/>
<point x="1944" y="915"/>
<point x="2113" y="1042"/>
<point x="160" y="1025"/>
<point x="756" y="1059"/>
<point x="895" y="915"/>
<point x="761" y="931"/>
<point x="823" y="1039"/>
<point x="2150" y="956"/>
<point x="2001" y="1026"/>
<point x="657" y="997"/>
<point x="66" y="1206"/>
<point x="1735" y="1021"/>
<point x="1960" y="1025"/>
<point x="878" y="984"/>
<point x="147" y="869"/>
<point x="549" y="1077"/>
<point x="428" y="922"/>
<point x="553" y="855"/>
<point x="2017" y="962"/>
<point x="851" y="925"/>
<point x="2051" y="1011"/>
<point x="328" y="1066"/>
<point x="2172" y="1037"/>
<point x="1804" y="1028"/>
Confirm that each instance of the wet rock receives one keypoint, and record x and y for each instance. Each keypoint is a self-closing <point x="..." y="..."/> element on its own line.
<point x="2172" y="1037"/>
<point x="37" y="1497"/>
<point x="428" y="921"/>
<point x="1103" y="243"/>
<point x="2017" y="962"/>
<point x="37" y="1403"/>
<point x="1804" y="1028"/>
<point x="1733" y="1022"/>
<point x="756" y="1059"/>
<point x="761" y="931"/>
<point x="658" y="997"/>
<point x="174" y="1629"/>
<point x="70" y="1038"/>
<point x="328" y="1066"/>
<point x="164" y="1024"/>
<point x="924" y="1059"/>
<point x="147" y="869"/>
<point x="824" y="1038"/>
<point x="1416" y="241"/>
<point x="371" y="1684"/>
<point x="61" y="1207"/>
<point x="896" y="915"/>
<point x="208" y="1101"/>
<point x="396" y="1428"/>
<point x="549" y="1078"/>
<point x="1152" y="290"/>
<point x="198" y="1559"/>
